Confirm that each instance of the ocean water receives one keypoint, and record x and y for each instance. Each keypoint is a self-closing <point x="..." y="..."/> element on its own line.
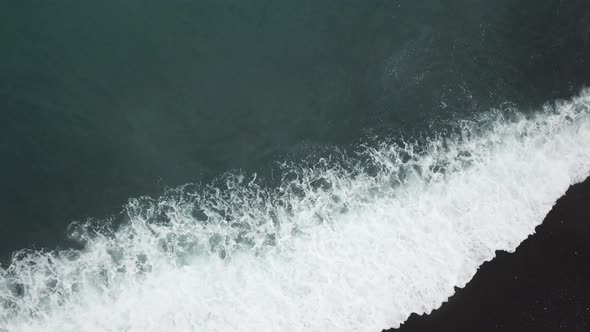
<point x="319" y="165"/>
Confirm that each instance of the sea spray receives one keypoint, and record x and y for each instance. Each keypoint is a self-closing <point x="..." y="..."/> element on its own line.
<point x="350" y="242"/>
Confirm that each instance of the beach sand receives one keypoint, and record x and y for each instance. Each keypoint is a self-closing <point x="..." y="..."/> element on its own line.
<point x="543" y="286"/>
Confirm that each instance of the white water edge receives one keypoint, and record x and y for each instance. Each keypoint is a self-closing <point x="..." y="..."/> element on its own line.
<point x="343" y="245"/>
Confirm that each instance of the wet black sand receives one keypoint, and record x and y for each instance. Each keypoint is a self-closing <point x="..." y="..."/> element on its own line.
<point x="543" y="286"/>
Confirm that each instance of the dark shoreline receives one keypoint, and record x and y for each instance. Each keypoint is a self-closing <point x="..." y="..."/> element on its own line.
<point x="543" y="286"/>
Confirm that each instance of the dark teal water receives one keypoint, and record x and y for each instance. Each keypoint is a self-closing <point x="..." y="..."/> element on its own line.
<point x="101" y="101"/>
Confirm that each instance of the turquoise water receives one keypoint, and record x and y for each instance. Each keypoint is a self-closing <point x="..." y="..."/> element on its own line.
<point x="107" y="100"/>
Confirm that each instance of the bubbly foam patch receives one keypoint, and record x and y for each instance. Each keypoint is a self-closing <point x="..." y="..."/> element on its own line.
<point x="353" y="242"/>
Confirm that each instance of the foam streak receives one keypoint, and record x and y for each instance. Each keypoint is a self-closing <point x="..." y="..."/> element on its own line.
<point x="339" y="245"/>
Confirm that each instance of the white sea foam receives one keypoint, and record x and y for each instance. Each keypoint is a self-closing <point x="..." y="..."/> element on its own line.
<point x="343" y="244"/>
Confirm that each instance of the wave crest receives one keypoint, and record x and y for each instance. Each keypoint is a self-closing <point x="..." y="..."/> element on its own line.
<point x="353" y="241"/>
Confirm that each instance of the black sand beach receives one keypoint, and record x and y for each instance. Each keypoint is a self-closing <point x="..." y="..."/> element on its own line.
<point x="543" y="286"/>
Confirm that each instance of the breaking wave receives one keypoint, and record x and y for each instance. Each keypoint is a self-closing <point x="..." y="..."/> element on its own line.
<point x="354" y="241"/>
